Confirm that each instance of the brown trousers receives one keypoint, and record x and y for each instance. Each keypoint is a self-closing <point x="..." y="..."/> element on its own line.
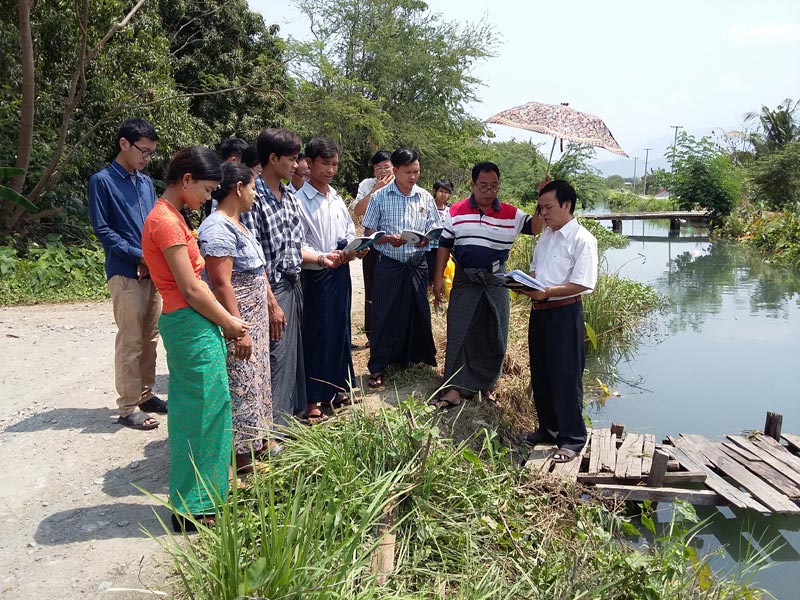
<point x="137" y="306"/>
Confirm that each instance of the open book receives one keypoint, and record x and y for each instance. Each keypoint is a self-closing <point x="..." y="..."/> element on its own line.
<point x="415" y="237"/>
<point x="520" y="280"/>
<point x="363" y="242"/>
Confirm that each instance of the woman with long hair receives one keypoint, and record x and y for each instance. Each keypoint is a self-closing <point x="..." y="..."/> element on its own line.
<point x="235" y="271"/>
<point x="199" y="420"/>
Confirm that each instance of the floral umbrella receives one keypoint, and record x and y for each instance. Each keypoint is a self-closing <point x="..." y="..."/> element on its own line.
<point x="560" y="121"/>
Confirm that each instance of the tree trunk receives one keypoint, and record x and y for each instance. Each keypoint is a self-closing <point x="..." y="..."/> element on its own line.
<point x="25" y="140"/>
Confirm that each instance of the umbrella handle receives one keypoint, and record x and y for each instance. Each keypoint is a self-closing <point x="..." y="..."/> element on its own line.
<point x="550" y="160"/>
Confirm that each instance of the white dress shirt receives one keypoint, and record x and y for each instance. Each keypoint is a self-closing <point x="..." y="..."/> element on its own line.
<point x="325" y="219"/>
<point x="568" y="255"/>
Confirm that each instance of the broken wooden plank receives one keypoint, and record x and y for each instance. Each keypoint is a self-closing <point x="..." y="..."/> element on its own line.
<point x="772" y="427"/>
<point x="608" y="460"/>
<point x="691" y="449"/>
<point x="638" y="493"/>
<point x="648" y="449"/>
<point x="539" y="458"/>
<point x="793" y="441"/>
<point x="765" y="472"/>
<point x="596" y="448"/>
<point x="674" y="478"/>
<point x="768" y="457"/>
<point x="778" y="451"/>
<point x="629" y="457"/>
<point x="736" y="497"/>
<point x="759" y="489"/>
<point x="658" y="470"/>
<point x="741" y="450"/>
<point x="568" y="471"/>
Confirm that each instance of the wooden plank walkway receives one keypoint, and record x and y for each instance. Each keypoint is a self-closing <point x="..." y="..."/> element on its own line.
<point x="753" y="472"/>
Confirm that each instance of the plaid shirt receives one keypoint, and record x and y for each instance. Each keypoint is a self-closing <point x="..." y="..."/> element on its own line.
<point x="277" y="226"/>
<point x="391" y="211"/>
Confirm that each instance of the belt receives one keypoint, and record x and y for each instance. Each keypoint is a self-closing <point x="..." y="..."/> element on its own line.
<point x="546" y="305"/>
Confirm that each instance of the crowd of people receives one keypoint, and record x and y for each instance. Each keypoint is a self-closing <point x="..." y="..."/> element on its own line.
<point x="254" y="309"/>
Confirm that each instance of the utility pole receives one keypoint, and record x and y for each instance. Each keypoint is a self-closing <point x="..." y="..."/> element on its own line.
<point x="635" y="160"/>
<point x="674" y="144"/>
<point x="646" y="156"/>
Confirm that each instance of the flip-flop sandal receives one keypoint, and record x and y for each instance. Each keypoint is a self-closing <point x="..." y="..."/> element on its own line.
<point x="315" y="418"/>
<point x="342" y="399"/>
<point x="375" y="380"/>
<point x="490" y="397"/>
<point x="447" y="404"/>
<point x="154" y="405"/>
<point x="564" y="455"/>
<point x="137" y="420"/>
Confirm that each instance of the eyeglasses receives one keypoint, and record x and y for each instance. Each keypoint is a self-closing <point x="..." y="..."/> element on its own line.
<point x="145" y="153"/>
<point x="488" y="188"/>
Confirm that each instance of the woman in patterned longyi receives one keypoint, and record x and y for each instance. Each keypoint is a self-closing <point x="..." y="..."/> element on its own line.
<point x="199" y="419"/>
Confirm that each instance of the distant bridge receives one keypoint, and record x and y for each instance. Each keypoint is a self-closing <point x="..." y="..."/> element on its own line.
<point x="676" y="217"/>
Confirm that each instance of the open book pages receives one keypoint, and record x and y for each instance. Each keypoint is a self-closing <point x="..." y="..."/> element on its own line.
<point x="517" y="279"/>
<point x="363" y="242"/>
<point x="415" y="237"/>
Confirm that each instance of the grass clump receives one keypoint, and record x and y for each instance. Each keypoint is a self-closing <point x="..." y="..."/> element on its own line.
<point x="455" y="523"/>
<point x="51" y="273"/>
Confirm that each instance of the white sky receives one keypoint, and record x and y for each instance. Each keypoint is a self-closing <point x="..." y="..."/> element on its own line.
<point x="640" y="65"/>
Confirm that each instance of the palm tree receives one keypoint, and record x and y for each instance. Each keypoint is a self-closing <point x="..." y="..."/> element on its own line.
<point x="778" y="127"/>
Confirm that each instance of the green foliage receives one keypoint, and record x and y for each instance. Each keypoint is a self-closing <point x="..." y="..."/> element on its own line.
<point x="468" y="524"/>
<point x="779" y="126"/>
<point x="389" y="74"/>
<point x="776" y="176"/>
<point x="703" y="176"/>
<point x="9" y="195"/>
<point x="521" y="167"/>
<point x="615" y="182"/>
<point x="628" y="202"/>
<point x="51" y="273"/>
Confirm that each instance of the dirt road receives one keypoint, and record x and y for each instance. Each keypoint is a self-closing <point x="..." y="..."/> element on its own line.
<point x="71" y="519"/>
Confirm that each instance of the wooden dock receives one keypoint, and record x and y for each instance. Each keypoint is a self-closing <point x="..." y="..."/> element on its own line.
<point x="676" y="218"/>
<point x="759" y="471"/>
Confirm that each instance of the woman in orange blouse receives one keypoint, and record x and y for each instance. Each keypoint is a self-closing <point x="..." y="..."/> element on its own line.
<point x="200" y="434"/>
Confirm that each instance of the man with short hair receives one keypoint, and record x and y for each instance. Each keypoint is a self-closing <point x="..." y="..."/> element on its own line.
<point x="120" y="198"/>
<point x="383" y="176"/>
<point x="231" y="149"/>
<point x="327" y="289"/>
<point x="276" y="223"/>
<point x="479" y="231"/>
<point x="565" y="261"/>
<point x="400" y="331"/>
<point x="300" y="175"/>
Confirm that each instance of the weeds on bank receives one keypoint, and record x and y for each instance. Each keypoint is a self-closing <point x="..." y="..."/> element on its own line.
<point x="51" y="273"/>
<point x="456" y="523"/>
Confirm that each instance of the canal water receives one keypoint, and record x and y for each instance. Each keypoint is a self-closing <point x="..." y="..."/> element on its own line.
<point x="722" y="354"/>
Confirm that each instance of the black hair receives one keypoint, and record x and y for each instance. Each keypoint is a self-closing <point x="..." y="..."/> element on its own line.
<point x="250" y="156"/>
<point x="280" y="142"/>
<point x="404" y="156"/>
<point x="443" y="184"/>
<point x="381" y="156"/>
<point x="232" y="147"/>
<point x="232" y="173"/>
<point x="135" y="129"/>
<point x="321" y="147"/>
<point x="301" y="156"/>
<point x="564" y="193"/>
<point x="200" y="162"/>
<point x="484" y="167"/>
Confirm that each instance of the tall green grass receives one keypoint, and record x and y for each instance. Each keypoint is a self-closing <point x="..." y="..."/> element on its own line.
<point x="468" y="525"/>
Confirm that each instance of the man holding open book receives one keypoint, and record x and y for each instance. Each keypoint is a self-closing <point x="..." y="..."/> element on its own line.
<point x="565" y="261"/>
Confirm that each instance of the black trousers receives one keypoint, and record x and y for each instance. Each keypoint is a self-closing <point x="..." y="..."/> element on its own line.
<point x="368" y="268"/>
<point x="558" y="356"/>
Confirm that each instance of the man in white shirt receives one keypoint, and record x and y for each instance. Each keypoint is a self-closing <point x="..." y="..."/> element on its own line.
<point x="565" y="261"/>
<point x="327" y="290"/>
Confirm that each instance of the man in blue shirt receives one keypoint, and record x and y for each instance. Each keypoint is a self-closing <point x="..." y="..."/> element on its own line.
<point x="120" y="198"/>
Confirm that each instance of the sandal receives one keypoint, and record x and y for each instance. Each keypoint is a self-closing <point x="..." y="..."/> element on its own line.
<point x="342" y="399"/>
<point x="564" y="455"/>
<point x="155" y="405"/>
<point x="490" y="397"/>
<point x="532" y="438"/>
<point x="138" y="420"/>
<point x="317" y="417"/>
<point x="447" y="403"/>
<point x="189" y="524"/>
<point x="375" y="380"/>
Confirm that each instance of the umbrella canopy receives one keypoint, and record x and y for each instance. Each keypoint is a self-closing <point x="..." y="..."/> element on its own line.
<point x="560" y="121"/>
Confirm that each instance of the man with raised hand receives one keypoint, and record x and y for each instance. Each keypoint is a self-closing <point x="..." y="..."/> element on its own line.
<point x="120" y="198"/>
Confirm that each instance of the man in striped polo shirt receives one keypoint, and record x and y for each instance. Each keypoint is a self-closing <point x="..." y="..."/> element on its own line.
<point x="479" y="231"/>
<point x="400" y="331"/>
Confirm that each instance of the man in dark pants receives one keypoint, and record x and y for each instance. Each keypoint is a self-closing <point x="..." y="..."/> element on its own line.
<point x="565" y="261"/>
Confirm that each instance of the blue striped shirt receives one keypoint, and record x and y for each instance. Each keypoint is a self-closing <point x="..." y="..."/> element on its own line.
<point x="392" y="211"/>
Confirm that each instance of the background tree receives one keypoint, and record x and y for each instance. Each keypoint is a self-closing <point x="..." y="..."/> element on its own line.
<point x="386" y="73"/>
<point x="779" y="126"/>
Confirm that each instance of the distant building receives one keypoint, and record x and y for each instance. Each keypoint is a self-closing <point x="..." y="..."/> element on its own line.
<point x="662" y="193"/>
